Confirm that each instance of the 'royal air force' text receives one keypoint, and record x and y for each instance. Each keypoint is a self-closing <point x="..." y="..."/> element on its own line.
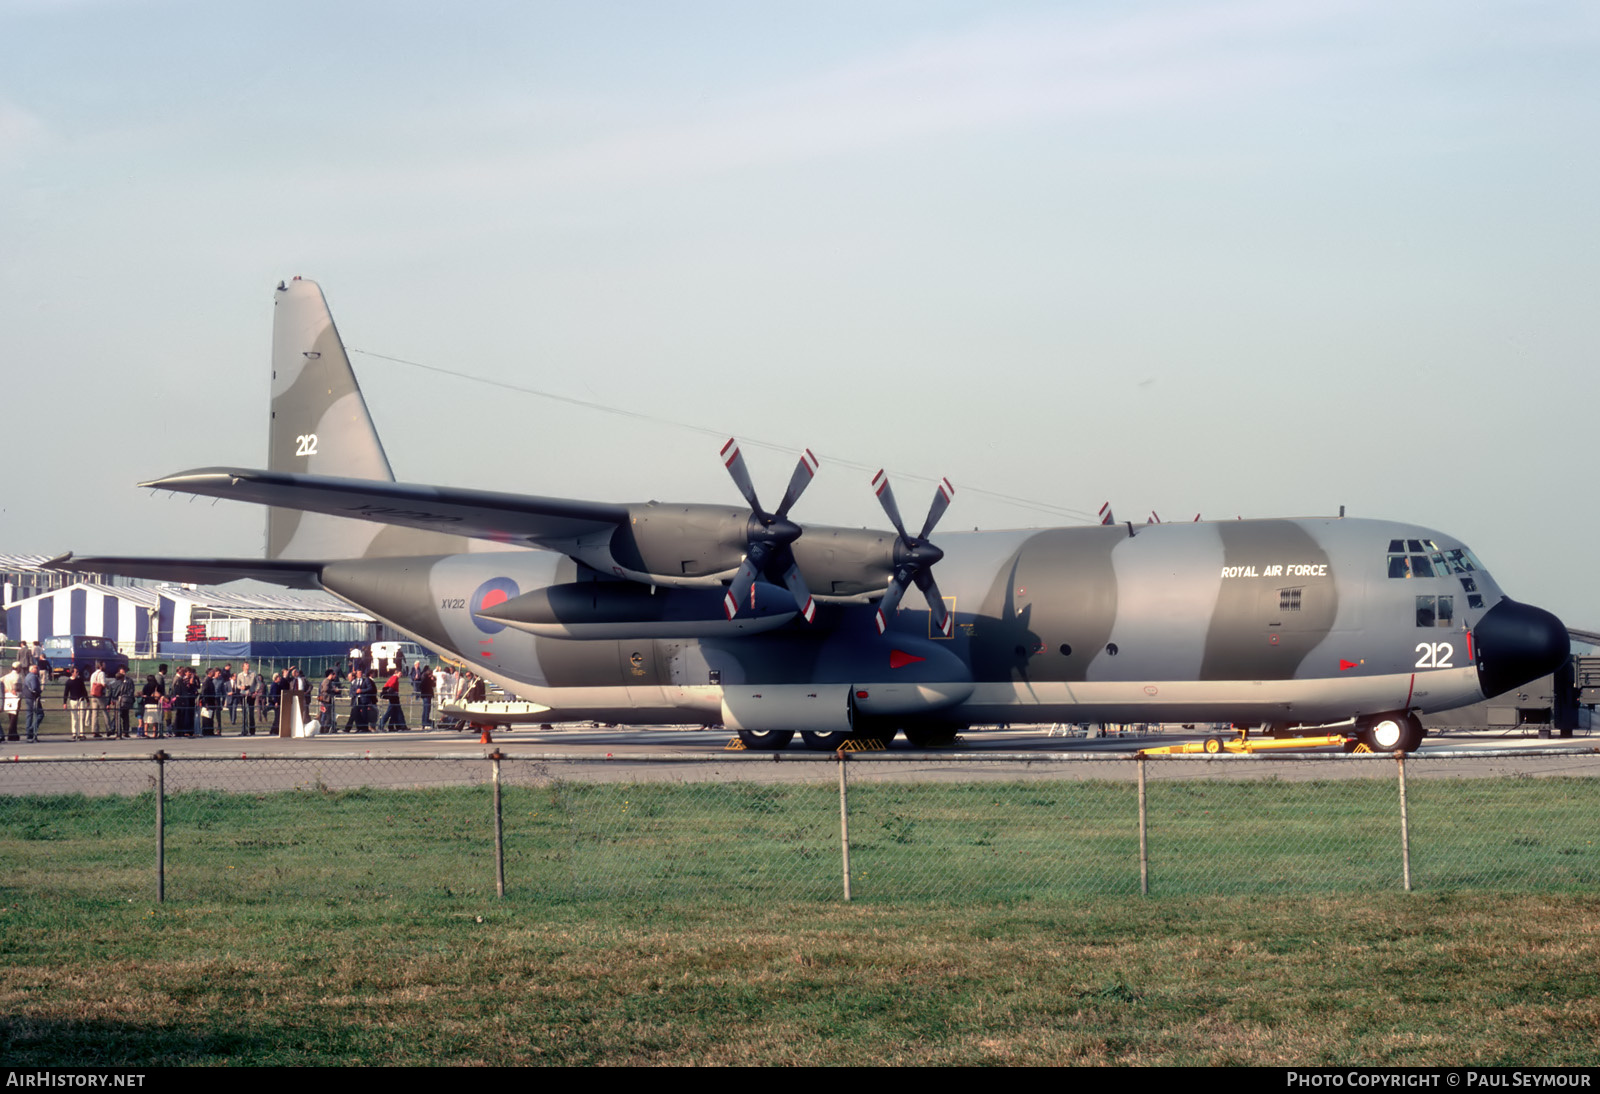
<point x="1287" y="569"/>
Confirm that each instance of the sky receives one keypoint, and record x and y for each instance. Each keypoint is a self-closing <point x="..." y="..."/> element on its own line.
<point x="1234" y="258"/>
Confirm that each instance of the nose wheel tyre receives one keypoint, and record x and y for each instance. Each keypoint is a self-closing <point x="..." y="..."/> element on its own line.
<point x="766" y="740"/>
<point x="1393" y="733"/>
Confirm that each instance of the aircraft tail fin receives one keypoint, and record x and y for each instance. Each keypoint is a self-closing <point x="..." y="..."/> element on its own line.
<point x="320" y="425"/>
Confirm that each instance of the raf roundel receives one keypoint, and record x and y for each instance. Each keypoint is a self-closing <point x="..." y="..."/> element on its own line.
<point x="494" y="592"/>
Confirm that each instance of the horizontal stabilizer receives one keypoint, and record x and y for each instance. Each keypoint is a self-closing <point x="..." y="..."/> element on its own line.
<point x="481" y="514"/>
<point x="290" y="573"/>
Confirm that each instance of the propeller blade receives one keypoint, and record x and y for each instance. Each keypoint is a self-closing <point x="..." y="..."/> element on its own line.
<point x="743" y="581"/>
<point x="797" y="589"/>
<point x="1105" y="514"/>
<point x="733" y="460"/>
<point x="914" y="558"/>
<point x="941" y="502"/>
<point x="804" y="472"/>
<point x="769" y="534"/>
<point x="943" y="620"/>
<point x="880" y="484"/>
<point x="891" y="599"/>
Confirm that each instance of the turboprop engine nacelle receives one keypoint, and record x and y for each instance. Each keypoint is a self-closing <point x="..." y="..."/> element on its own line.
<point x="608" y="610"/>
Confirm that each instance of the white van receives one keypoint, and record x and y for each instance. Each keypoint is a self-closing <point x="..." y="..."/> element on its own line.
<point x="384" y="654"/>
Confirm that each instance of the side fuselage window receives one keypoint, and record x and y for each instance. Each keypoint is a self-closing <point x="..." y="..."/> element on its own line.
<point x="1436" y="611"/>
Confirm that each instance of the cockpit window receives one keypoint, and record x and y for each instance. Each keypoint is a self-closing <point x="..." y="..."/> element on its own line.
<point x="1424" y="558"/>
<point x="1410" y="566"/>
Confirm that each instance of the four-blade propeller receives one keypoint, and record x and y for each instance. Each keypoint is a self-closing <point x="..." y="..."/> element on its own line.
<point x="769" y="535"/>
<point x="914" y="557"/>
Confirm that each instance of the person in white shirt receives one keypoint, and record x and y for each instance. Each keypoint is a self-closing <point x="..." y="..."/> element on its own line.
<point x="97" y="700"/>
<point x="11" y="688"/>
<point x="244" y="685"/>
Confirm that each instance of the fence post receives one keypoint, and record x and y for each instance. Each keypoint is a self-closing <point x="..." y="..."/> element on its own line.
<point x="161" y="826"/>
<point x="1405" y="824"/>
<point x="1144" y="841"/>
<point x="844" y="826"/>
<point x="499" y="835"/>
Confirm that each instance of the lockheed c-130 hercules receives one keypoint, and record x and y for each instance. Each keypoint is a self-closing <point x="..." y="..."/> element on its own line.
<point x="656" y="613"/>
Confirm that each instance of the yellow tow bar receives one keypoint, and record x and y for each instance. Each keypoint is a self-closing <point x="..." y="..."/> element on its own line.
<point x="1245" y="745"/>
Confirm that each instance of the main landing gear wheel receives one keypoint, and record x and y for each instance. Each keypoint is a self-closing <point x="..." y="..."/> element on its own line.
<point x="766" y="740"/>
<point x="1393" y="733"/>
<point x="875" y="730"/>
<point x="931" y="736"/>
<point x="825" y="742"/>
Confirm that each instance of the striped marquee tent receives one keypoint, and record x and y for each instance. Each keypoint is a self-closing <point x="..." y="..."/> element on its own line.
<point x="176" y="621"/>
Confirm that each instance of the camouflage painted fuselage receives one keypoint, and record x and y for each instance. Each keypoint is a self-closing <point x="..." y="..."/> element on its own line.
<point x="640" y="613"/>
<point x="1268" y="621"/>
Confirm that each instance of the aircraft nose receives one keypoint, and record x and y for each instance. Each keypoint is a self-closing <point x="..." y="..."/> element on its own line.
<point x="1516" y="643"/>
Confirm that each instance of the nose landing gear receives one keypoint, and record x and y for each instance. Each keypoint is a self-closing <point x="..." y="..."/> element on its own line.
<point x="1400" y="732"/>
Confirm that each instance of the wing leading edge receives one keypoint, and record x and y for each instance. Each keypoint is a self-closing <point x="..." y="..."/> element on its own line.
<point x="291" y="573"/>
<point x="480" y="514"/>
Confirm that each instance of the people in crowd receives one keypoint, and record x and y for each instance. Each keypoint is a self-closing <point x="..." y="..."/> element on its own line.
<point x="153" y="695"/>
<point x="327" y="701"/>
<point x="119" y="702"/>
<point x="423" y="682"/>
<point x="211" y="704"/>
<point x="75" y="701"/>
<point x="11" y="688"/>
<point x="185" y="697"/>
<point x="97" y="700"/>
<point x="33" y="699"/>
<point x="242" y="701"/>
<point x="394" y="719"/>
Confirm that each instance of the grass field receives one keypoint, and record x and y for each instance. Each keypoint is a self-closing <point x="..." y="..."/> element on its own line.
<point x="702" y="924"/>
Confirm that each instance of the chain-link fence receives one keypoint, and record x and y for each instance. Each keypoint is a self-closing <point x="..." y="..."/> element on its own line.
<point x="744" y="828"/>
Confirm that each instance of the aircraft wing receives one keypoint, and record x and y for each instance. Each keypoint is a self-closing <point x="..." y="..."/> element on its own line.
<point x="481" y="514"/>
<point x="291" y="573"/>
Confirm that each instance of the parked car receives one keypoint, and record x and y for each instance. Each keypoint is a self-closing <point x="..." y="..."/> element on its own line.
<point x="81" y="651"/>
